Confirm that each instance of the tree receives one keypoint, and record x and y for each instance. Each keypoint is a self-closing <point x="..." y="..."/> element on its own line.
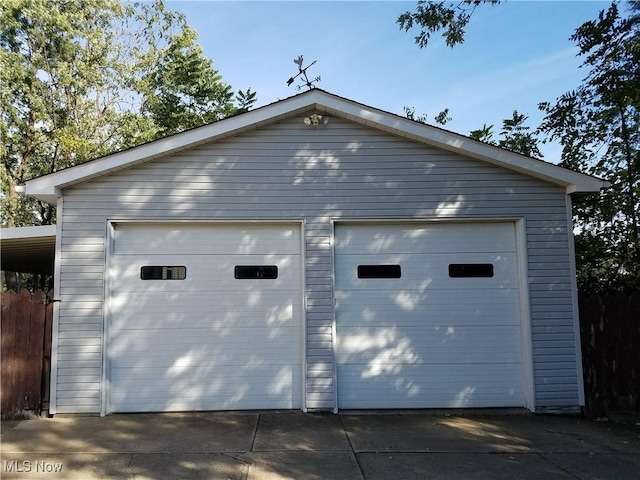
<point x="441" y="118"/>
<point x="79" y="80"/>
<point x="515" y="136"/>
<point x="432" y="17"/>
<point x="48" y="56"/>
<point x="181" y="88"/>
<point x="598" y="125"/>
<point x="484" y="134"/>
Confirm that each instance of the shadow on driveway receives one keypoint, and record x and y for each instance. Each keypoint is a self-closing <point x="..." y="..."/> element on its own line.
<point x="293" y="445"/>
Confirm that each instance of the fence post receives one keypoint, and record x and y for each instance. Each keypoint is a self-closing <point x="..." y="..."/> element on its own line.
<point x="46" y="352"/>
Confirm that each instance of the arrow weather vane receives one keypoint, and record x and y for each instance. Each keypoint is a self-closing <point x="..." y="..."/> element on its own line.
<point x="303" y="71"/>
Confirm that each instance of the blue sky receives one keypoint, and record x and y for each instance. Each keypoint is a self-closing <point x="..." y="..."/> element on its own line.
<point x="516" y="54"/>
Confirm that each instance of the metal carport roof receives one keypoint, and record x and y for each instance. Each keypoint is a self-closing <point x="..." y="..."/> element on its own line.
<point x="28" y="249"/>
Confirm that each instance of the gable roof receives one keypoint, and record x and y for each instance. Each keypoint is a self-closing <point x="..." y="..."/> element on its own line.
<point x="49" y="188"/>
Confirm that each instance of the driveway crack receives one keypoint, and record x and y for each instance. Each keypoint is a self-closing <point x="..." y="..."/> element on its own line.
<point x="130" y="466"/>
<point x="255" y="433"/>
<point x="237" y="457"/>
<point x="246" y="464"/>
<point x="355" y="455"/>
<point x="557" y="465"/>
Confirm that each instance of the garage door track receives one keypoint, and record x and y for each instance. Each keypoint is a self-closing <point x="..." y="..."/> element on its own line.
<point x="292" y="445"/>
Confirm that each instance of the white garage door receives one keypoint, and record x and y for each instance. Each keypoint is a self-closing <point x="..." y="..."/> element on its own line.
<point x="205" y="318"/>
<point x="428" y="316"/>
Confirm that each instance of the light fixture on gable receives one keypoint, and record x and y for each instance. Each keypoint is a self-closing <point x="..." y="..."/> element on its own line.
<point x="315" y="119"/>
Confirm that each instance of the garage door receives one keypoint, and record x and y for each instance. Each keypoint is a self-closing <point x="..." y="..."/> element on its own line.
<point x="428" y="316"/>
<point x="204" y="318"/>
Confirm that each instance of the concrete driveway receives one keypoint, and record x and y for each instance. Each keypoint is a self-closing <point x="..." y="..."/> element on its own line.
<point x="292" y="445"/>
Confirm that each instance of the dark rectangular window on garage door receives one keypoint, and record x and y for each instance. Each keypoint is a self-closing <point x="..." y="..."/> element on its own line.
<point x="379" y="271"/>
<point x="158" y="272"/>
<point x="471" y="270"/>
<point x="253" y="272"/>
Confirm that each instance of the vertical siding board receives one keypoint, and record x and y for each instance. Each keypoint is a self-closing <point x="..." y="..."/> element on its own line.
<point x="319" y="378"/>
<point x="341" y="170"/>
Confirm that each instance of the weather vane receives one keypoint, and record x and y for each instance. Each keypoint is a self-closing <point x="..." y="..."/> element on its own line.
<point x="303" y="71"/>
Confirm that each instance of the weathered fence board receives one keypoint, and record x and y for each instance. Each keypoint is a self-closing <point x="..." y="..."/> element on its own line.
<point x="610" y="338"/>
<point x="26" y="351"/>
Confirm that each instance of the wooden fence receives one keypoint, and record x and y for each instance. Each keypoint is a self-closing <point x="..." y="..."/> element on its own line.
<point x="610" y="334"/>
<point x="26" y="352"/>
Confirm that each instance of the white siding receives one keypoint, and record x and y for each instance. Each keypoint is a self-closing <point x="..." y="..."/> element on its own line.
<point x="291" y="171"/>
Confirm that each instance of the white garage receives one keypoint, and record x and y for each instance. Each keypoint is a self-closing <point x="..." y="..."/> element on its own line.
<point x="315" y="253"/>
<point x="429" y="316"/>
<point x="204" y="317"/>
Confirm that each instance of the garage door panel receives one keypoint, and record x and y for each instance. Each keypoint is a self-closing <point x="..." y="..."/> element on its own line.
<point x="234" y="401"/>
<point x="271" y="379"/>
<point x="262" y="386"/>
<point x="178" y="344"/>
<point x="414" y="345"/>
<point x="196" y="240"/>
<point x="441" y="320"/>
<point x="280" y="316"/>
<point x="165" y="362"/>
<point x="385" y="308"/>
<point x="203" y="283"/>
<point x="203" y="302"/>
<point x="216" y="273"/>
<point x="439" y="386"/>
<point x="439" y="239"/>
<point x="215" y="312"/>
<point x="423" y="271"/>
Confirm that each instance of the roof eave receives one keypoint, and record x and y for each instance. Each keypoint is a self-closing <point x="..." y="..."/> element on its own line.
<point x="43" y="193"/>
